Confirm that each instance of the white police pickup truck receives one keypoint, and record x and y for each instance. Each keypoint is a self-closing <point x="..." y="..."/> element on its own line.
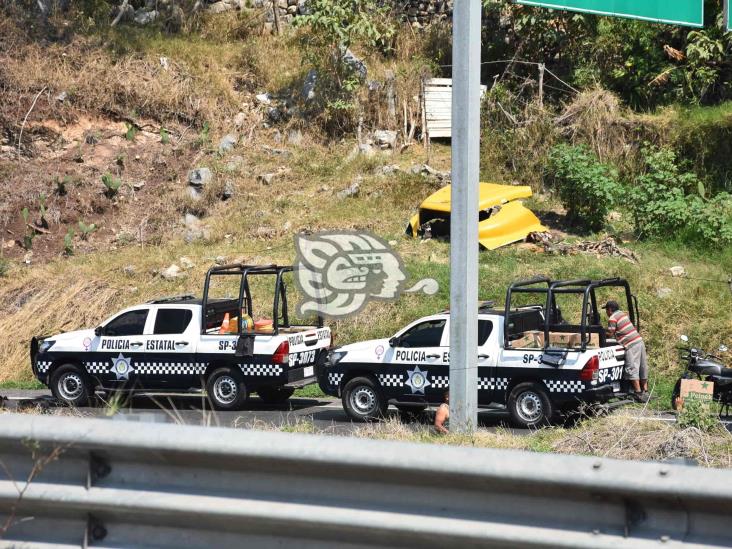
<point x="529" y="358"/>
<point x="189" y="344"/>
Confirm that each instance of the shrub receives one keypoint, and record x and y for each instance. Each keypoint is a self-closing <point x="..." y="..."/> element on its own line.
<point x="713" y="220"/>
<point x="699" y="414"/>
<point x="69" y="242"/>
<point x="30" y="233"/>
<point x="86" y="230"/>
<point x="42" y="209"/>
<point x="333" y="27"/>
<point x="112" y="184"/>
<point x="668" y="202"/>
<point x="658" y="199"/>
<point x="131" y="132"/>
<point x="587" y="187"/>
<point x="4" y="267"/>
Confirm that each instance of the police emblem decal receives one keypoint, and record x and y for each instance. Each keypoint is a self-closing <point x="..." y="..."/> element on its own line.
<point x="417" y="381"/>
<point x="122" y="367"/>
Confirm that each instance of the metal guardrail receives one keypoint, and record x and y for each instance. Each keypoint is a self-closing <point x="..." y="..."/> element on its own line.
<point x="134" y="485"/>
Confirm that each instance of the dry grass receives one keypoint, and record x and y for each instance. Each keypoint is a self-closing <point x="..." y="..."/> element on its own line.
<point x="619" y="436"/>
<point x="132" y="73"/>
<point x="33" y="306"/>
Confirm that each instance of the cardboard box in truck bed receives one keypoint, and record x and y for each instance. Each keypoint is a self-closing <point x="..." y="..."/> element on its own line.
<point x="535" y="340"/>
<point x="560" y="339"/>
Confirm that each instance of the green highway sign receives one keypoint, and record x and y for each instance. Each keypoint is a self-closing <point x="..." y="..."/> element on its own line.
<point x="727" y="19"/>
<point x="675" y="12"/>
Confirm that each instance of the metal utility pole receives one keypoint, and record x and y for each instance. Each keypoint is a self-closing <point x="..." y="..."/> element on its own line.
<point x="464" y="217"/>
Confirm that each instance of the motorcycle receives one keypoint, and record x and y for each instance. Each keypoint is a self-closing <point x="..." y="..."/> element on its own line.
<point x="705" y="367"/>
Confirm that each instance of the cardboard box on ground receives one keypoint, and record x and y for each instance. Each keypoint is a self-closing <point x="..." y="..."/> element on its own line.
<point x="535" y="340"/>
<point x="694" y="389"/>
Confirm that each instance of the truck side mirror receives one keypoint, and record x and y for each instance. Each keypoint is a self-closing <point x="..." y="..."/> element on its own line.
<point x="98" y="331"/>
<point x="394" y="342"/>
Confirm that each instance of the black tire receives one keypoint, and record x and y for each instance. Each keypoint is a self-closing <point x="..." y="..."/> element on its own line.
<point x="529" y="406"/>
<point x="226" y="389"/>
<point x="363" y="400"/>
<point x="675" y="394"/>
<point x="275" y="395"/>
<point x="70" y="385"/>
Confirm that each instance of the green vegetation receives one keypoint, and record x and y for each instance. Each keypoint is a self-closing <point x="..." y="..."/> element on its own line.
<point x="334" y="26"/>
<point x="29" y="233"/>
<point x="112" y="185"/>
<point x="700" y="415"/>
<point x="42" y="209"/>
<point x="86" y="229"/>
<point x="131" y="131"/>
<point x="69" y="242"/>
<point x="668" y="202"/>
<point x="204" y="136"/>
<point x="25" y="385"/>
<point x="586" y="187"/>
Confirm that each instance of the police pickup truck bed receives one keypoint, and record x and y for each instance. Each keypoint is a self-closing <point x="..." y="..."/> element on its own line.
<point x="529" y="359"/>
<point x="187" y="344"/>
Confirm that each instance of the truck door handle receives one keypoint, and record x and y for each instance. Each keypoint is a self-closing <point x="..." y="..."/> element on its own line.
<point x="136" y="344"/>
<point x="433" y="356"/>
<point x="484" y="356"/>
<point x="181" y="343"/>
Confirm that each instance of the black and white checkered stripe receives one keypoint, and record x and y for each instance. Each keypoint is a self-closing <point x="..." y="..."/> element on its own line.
<point x="98" y="367"/>
<point x="334" y="378"/>
<point x="492" y="383"/>
<point x="43" y="366"/>
<point x="261" y="369"/>
<point x="564" y="386"/>
<point x="440" y="382"/>
<point x="391" y="380"/>
<point x="181" y="368"/>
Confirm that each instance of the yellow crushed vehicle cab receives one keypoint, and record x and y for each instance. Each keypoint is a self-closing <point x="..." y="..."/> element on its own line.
<point x="502" y="218"/>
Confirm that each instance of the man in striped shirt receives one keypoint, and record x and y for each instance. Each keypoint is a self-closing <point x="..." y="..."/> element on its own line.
<point x="621" y="328"/>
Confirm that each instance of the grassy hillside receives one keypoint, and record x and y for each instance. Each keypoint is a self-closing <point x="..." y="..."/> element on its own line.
<point x="258" y="224"/>
<point x="212" y="75"/>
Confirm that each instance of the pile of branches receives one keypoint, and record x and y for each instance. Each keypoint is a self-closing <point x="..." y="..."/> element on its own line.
<point x="606" y="247"/>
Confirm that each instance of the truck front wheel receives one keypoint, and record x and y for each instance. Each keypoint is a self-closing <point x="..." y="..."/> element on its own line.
<point x="70" y="385"/>
<point x="226" y="390"/>
<point x="363" y="400"/>
<point x="529" y="406"/>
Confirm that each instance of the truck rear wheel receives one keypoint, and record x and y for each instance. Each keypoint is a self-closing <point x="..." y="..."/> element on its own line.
<point x="70" y="385"/>
<point x="363" y="400"/>
<point x="226" y="389"/>
<point x="529" y="406"/>
<point x="275" y="395"/>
